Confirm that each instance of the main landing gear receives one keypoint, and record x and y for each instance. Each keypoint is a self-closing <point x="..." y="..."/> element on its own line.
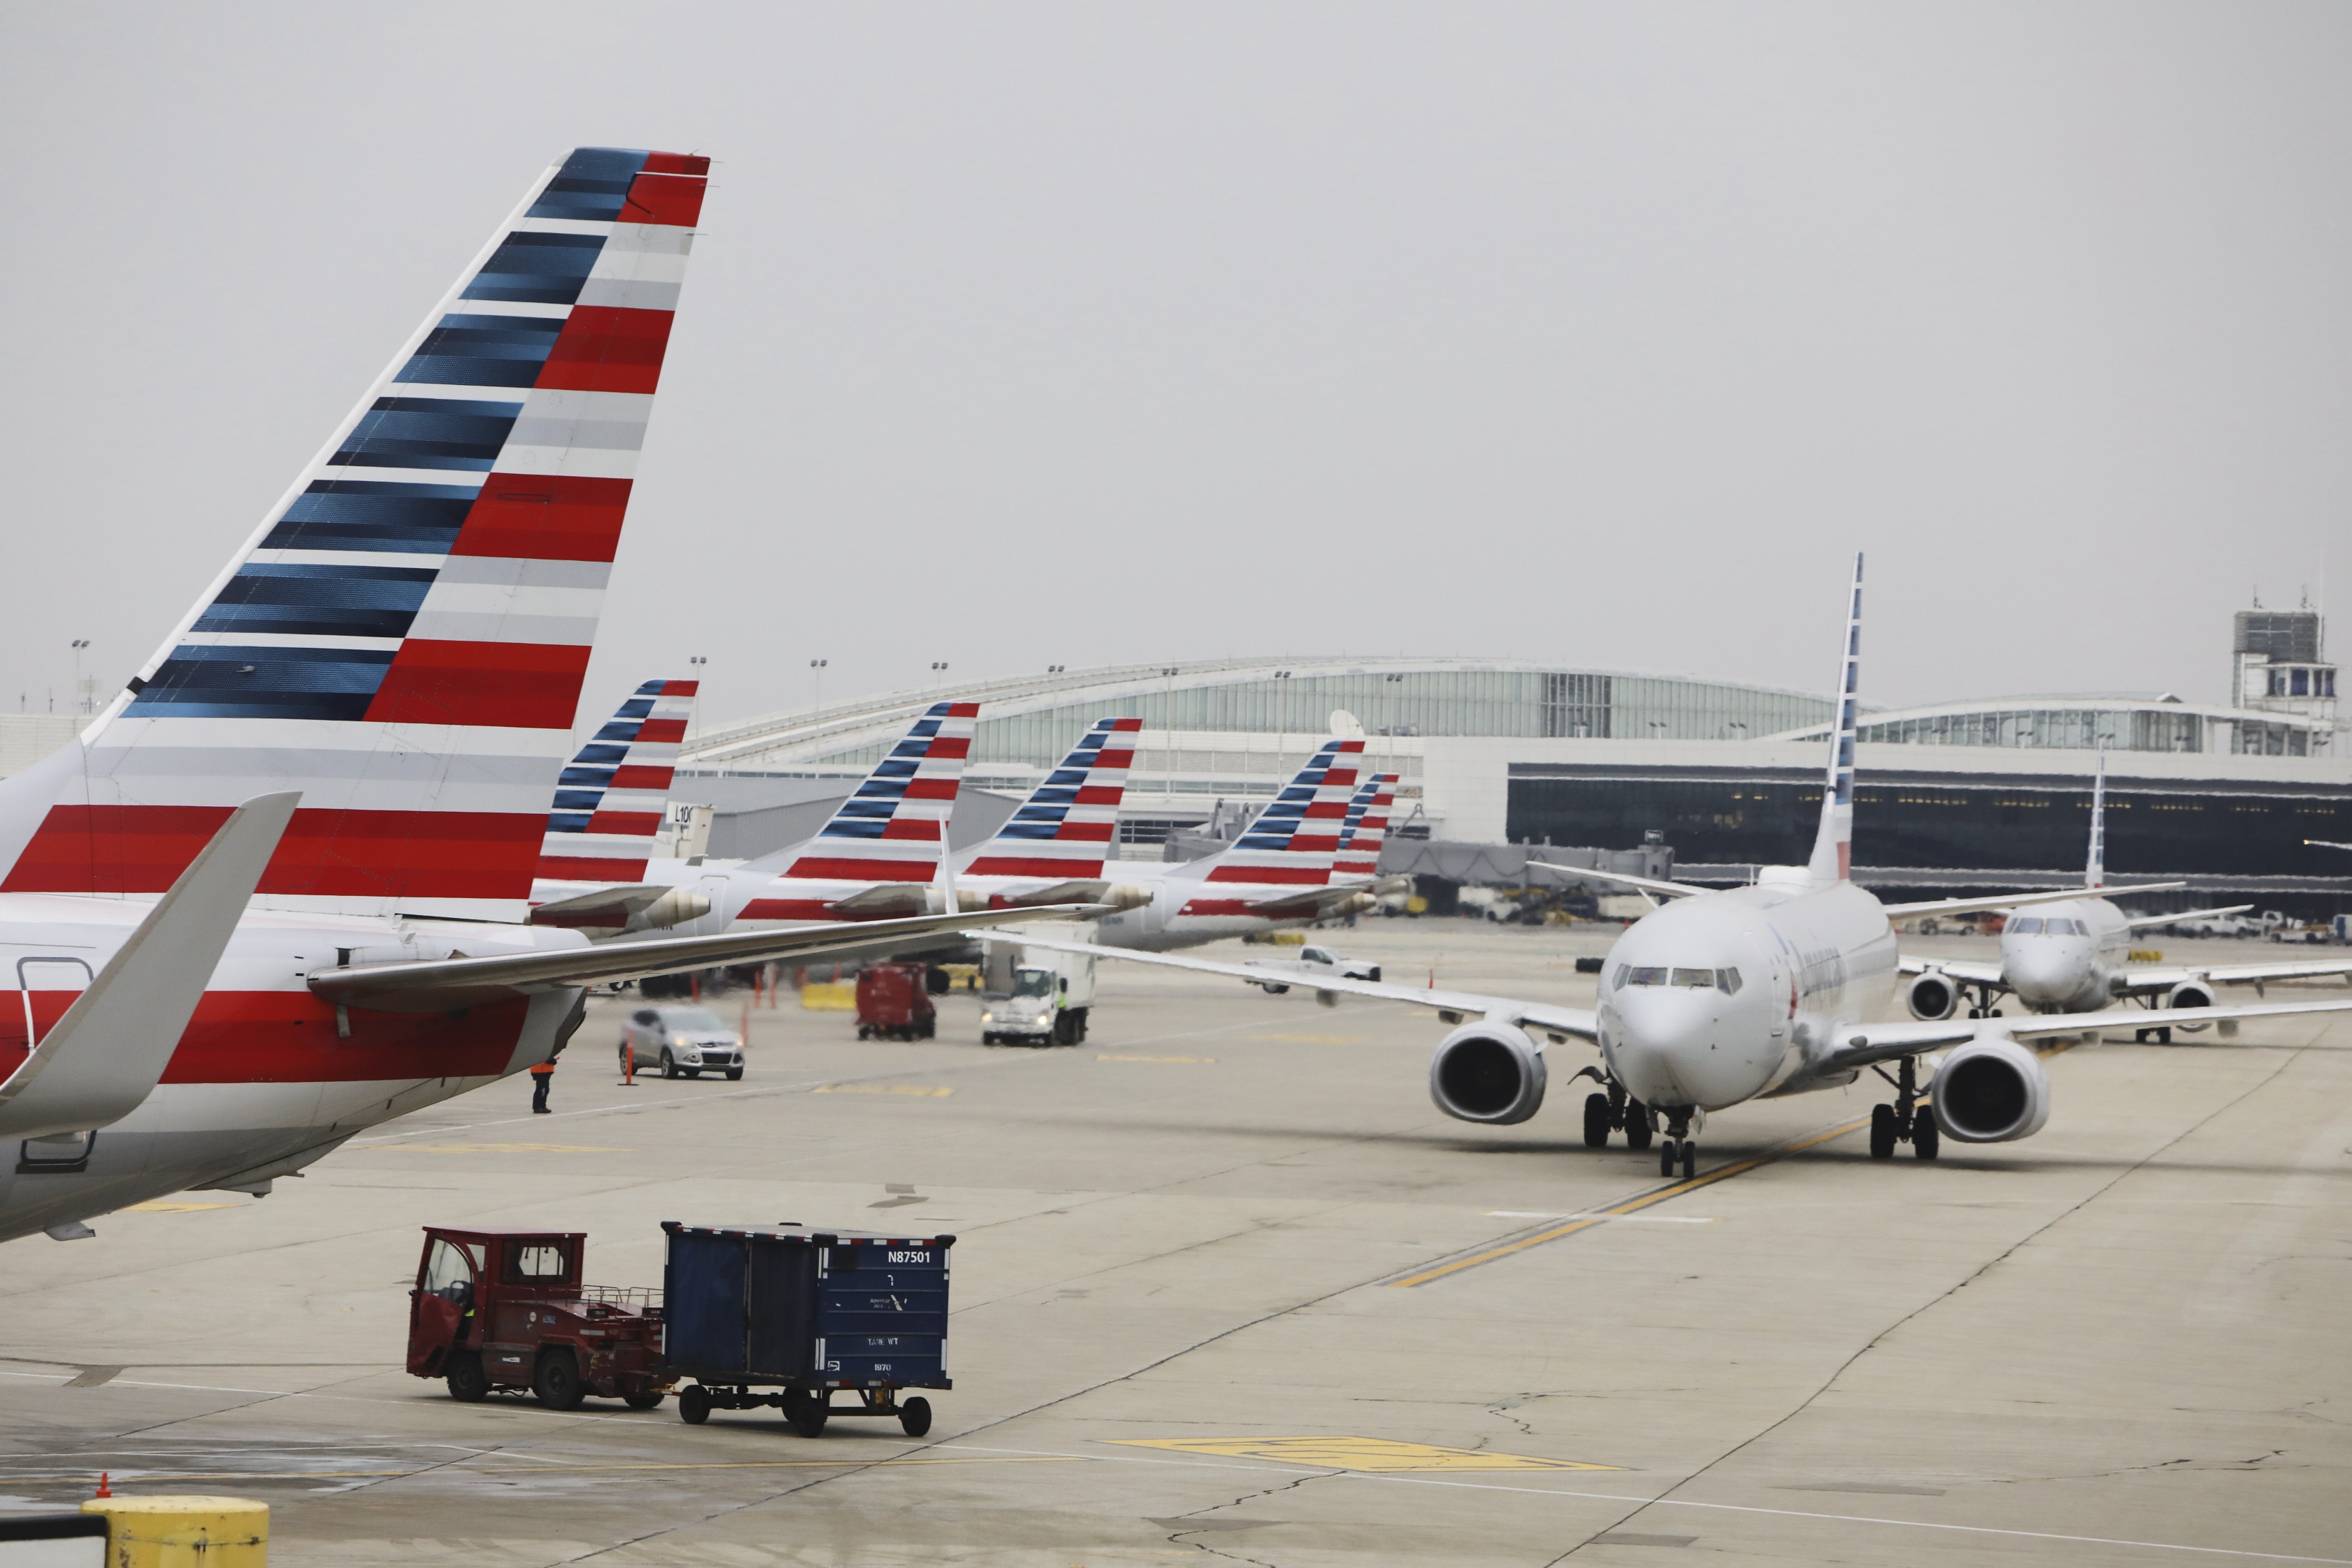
<point x="1908" y="1120"/>
<point x="2163" y="1036"/>
<point x="1613" y="1111"/>
<point x="1678" y="1150"/>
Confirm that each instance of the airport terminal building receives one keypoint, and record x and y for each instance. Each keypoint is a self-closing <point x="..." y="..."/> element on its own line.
<point x="1499" y="751"/>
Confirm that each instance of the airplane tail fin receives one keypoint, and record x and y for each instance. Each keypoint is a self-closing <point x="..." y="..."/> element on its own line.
<point x="1297" y="838"/>
<point x="893" y="828"/>
<point x="2095" y="871"/>
<point x="609" y="800"/>
<point x="1832" y="860"/>
<point x="1065" y="829"/>
<point x="403" y="637"/>
<point x="1367" y="827"/>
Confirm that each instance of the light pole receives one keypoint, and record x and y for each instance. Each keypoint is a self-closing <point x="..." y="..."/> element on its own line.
<point x="1168" y="733"/>
<point x="1281" y="724"/>
<point x="816" y="699"/>
<point x="697" y="661"/>
<point x="81" y="703"/>
<point x="939" y="668"/>
<point x="1392" y="680"/>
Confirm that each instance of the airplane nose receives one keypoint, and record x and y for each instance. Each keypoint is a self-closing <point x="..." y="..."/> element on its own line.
<point x="2040" y="971"/>
<point x="1685" y="1048"/>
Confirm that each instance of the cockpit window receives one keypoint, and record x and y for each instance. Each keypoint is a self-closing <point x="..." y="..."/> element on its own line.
<point x="1728" y="979"/>
<point x="1696" y="979"/>
<point x="2030" y="925"/>
<point x="1639" y="976"/>
<point x="2065" y="928"/>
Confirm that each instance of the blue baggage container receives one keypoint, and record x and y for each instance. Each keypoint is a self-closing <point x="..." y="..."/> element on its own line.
<point x="805" y="1312"/>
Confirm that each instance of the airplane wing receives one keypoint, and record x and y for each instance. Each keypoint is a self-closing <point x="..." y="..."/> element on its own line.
<point x="1314" y="904"/>
<point x="2138" y="982"/>
<point x="1868" y="1043"/>
<point x="2013" y="900"/>
<point x="1451" y="1006"/>
<point x="434" y="986"/>
<point x="1644" y="884"/>
<point x="99" y="1062"/>
<point x="1968" y="969"/>
<point x="2183" y="917"/>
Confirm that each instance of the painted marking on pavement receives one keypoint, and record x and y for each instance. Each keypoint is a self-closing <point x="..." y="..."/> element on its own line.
<point x="847" y="1462"/>
<point x="1378" y="1454"/>
<point x="505" y="1149"/>
<point x="178" y="1209"/>
<point x="1638" y="1201"/>
<point x="1314" y="1040"/>
<point x="1645" y="1218"/>
<point x="1187" y="1061"/>
<point x="911" y="1090"/>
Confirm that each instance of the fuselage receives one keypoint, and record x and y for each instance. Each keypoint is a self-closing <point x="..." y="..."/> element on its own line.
<point x="266" y="1074"/>
<point x="2064" y="957"/>
<point x="1188" y="908"/>
<point x="1717" y="999"/>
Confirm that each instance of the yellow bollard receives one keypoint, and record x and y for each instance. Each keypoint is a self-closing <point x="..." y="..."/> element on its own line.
<point x="183" y="1532"/>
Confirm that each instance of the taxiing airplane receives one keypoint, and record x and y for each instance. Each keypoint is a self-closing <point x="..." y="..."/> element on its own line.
<point x="1719" y="997"/>
<point x="2073" y="956"/>
<point x="276" y="892"/>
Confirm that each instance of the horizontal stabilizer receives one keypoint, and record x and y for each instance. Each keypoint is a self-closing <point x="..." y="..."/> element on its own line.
<point x="434" y="986"/>
<point x="1646" y="884"/>
<point x="98" y="1063"/>
<point x="1317" y="903"/>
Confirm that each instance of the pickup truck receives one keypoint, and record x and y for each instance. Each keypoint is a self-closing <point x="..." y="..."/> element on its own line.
<point x="1311" y="963"/>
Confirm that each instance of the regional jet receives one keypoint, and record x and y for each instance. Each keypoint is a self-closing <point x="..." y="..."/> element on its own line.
<point x="2072" y="956"/>
<point x="276" y="892"/>
<point x="1721" y="996"/>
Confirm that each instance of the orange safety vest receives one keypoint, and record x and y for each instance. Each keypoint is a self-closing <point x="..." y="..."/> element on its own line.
<point x="543" y="1070"/>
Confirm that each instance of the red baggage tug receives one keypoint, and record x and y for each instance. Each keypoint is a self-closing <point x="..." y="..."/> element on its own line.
<point x="503" y="1308"/>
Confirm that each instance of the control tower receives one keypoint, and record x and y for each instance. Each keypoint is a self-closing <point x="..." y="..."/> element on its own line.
<point x="2278" y="663"/>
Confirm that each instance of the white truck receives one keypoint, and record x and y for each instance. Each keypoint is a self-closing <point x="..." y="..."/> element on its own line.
<point x="1034" y="997"/>
<point x="1313" y="962"/>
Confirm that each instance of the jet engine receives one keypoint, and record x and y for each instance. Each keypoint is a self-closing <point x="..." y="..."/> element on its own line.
<point x="2189" y="994"/>
<point x="1990" y="1091"/>
<point x="1932" y="996"/>
<point x="1488" y="1072"/>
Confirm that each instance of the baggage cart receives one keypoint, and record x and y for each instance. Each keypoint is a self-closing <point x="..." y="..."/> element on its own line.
<point x="788" y="1316"/>
<point x="499" y="1309"/>
<point x="894" y="1002"/>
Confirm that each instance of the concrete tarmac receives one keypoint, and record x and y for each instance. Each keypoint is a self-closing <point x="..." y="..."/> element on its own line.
<point x="1229" y="1287"/>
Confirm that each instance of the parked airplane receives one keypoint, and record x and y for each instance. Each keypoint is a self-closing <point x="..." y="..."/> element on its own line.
<point x="1276" y="874"/>
<point x="607" y="816"/>
<point x="2072" y="957"/>
<point x="217" y="985"/>
<point x="1358" y="858"/>
<point x="1719" y="997"/>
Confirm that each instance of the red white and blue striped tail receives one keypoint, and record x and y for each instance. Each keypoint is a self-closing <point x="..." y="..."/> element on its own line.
<point x="1065" y="829"/>
<point x="1295" y="839"/>
<point x="894" y="827"/>
<point x="402" y="638"/>
<point x="1367" y="827"/>
<point x="609" y="800"/>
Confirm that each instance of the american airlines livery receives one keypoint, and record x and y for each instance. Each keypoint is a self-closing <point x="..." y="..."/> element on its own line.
<point x="1277" y="873"/>
<point x="1718" y="997"/>
<point x="276" y="892"/>
<point x="2073" y="956"/>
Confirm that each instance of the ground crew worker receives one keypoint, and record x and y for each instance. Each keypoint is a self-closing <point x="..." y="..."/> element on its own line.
<point x="541" y="1076"/>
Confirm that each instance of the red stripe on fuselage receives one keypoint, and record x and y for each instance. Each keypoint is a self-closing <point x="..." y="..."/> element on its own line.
<point x="509" y="685"/>
<point x="289" y="1036"/>
<point x="351" y="854"/>
<point x="820" y="868"/>
<point x="1013" y="866"/>
<point x="589" y="869"/>
<point x="1270" y="875"/>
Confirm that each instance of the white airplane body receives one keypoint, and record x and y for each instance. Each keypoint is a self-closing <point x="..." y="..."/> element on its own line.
<point x="2073" y="955"/>
<point x="1720" y="997"/>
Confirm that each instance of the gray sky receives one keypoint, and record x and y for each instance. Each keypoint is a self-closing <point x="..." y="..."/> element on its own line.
<point x="1030" y="334"/>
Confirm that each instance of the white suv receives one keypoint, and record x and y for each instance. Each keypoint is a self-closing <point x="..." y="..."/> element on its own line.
<point x="690" y="1041"/>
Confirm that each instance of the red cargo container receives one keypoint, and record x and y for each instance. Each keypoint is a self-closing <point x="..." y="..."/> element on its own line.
<point x="893" y="1004"/>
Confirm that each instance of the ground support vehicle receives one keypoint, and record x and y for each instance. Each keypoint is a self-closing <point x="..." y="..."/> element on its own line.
<point x="1039" y="997"/>
<point x="788" y="1317"/>
<point x="499" y="1309"/>
<point x="894" y="1002"/>
<point x="679" y="1040"/>
<point x="1312" y="963"/>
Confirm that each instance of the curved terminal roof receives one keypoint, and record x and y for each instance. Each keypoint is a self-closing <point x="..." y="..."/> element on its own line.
<point x="1031" y="721"/>
<point x="2124" y="723"/>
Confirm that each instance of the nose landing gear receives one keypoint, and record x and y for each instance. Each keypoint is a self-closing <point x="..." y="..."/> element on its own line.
<point x="1678" y="1150"/>
<point x="1908" y="1120"/>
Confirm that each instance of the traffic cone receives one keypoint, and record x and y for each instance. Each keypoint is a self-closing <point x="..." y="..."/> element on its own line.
<point x="103" y="1490"/>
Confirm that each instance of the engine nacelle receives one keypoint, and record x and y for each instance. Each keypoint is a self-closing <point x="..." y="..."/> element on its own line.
<point x="1488" y="1072"/>
<point x="2189" y="994"/>
<point x="1990" y="1091"/>
<point x="1933" y="995"/>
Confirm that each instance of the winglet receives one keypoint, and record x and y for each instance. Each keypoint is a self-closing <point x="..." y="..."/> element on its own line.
<point x="98" y="1063"/>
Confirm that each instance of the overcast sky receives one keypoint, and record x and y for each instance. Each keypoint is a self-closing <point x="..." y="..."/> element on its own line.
<point x="1031" y="334"/>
